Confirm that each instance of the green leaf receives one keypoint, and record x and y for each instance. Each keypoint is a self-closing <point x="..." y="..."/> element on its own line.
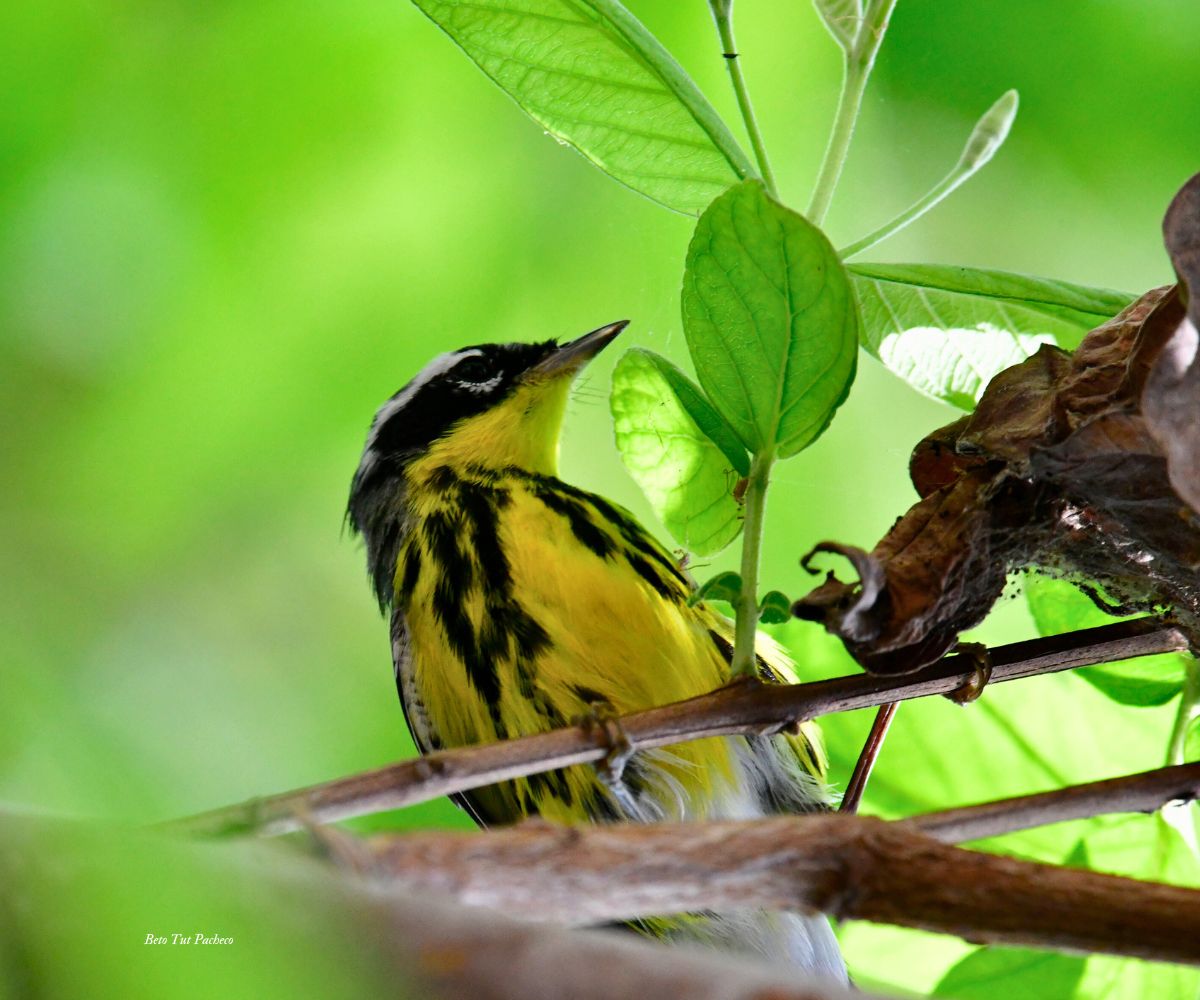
<point x="665" y="431"/>
<point x="1004" y="973"/>
<point x="1191" y="742"/>
<point x="708" y="420"/>
<point x="1058" y="606"/>
<point x="775" y="608"/>
<point x="947" y="330"/>
<point x="590" y="74"/>
<point x="1149" y="848"/>
<point x="722" y="587"/>
<point x="770" y="320"/>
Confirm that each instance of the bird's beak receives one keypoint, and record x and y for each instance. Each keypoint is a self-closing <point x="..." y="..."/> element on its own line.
<point x="569" y="358"/>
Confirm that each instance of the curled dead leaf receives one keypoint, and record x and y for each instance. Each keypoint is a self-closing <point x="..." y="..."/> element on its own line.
<point x="1085" y="465"/>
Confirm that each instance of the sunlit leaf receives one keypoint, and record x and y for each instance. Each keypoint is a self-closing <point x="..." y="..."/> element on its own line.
<point x="1005" y="973"/>
<point x="947" y="330"/>
<point x="1058" y="606"/>
<point x="657" y="417"/>
<point x="769" y="316"/>
<point x="594" y="77"/>
<point x="1149" y="848"/>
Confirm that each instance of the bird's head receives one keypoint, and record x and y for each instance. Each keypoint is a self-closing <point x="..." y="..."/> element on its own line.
<point x="490" y="405"/>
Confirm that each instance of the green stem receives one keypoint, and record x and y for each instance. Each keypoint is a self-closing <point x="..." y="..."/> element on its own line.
<point x="722" y="11"/>
<point x="860" y="60"/>
<point x="746" y="626"/>
<point x="986" y="137"/>
<point x="1189" y="709"/>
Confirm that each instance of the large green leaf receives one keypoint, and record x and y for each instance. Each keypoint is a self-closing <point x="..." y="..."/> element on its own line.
<point x="1144" y="847"/>
<point x="1006" y="973"/>
<point x="1058" y="606"/>
<point x="770" y="319"/>
<point x="687" y="478"/>
<point x="947" y="330"/>
<point x="594" y="77"/>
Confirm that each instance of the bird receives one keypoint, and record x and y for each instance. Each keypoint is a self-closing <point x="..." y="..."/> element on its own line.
<point x="520" y="603"/>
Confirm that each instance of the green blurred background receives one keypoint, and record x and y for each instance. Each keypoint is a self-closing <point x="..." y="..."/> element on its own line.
<point x="231" y="230"/>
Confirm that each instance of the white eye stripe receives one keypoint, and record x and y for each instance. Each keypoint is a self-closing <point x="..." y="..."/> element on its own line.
<point x="438" y="366"/>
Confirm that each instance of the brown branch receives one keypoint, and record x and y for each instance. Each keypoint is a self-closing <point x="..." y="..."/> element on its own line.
<point x="299" y="922"/>
<point x="865" y="764"/>
<point x="851" y="867"/>
<point x="1134" y="793"/>
<point x="743" y="708"/>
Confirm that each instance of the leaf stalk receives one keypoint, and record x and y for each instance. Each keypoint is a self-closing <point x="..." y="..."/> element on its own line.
<point x="746" y="624"/>
<point x="722" y="11"/>
<point x="860" y="60"/>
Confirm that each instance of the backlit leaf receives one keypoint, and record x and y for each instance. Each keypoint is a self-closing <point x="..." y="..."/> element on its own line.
<point x="1005" y="973"/>
<point x="657" y="417"/>
<point x="1058" y="606"/>
<point x="1149" y="848"/>
<point x="595" y="78"/>
<point x="947" y="330"/>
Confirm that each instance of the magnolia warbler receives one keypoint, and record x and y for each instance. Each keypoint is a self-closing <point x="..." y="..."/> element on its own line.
<point x="519" y="602"/>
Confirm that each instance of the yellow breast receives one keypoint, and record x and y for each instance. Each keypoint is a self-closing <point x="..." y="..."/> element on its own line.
<point x="528" y="602"/>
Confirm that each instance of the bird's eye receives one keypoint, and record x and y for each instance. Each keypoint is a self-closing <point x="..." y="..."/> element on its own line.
<point x="474" y="369"/>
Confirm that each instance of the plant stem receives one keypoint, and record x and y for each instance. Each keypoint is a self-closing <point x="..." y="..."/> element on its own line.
<point x="988" y="136"/>
<point x="1189" y="709"/>
<point x="722" y="12"/>
<point x="746" y="626"/>
<point x="860" y="60"/>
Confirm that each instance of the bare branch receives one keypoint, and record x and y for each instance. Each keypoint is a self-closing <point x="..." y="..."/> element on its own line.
<point x="1143" y="792"/>
<point x="747" y="707"/>
<point x="294" y="920"/>
<point x="851" y="867"/>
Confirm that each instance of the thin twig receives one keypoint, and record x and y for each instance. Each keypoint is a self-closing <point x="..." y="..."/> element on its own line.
<point x="851" y="867"/>
<point x="744" y="708"/>
<point x="867" y="757"/>
<point x="1134" y="793"/>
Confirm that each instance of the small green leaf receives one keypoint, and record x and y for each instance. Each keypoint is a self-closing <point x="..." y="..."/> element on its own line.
<point x="592" y="76"/>
<point x="710" y="422"/>
<point x="660" y="421"/>
<point x="775" y="608"/>
<point x="770" y="320"/>
<point x="1006" y="973"/>
<point x="1058" y="606"/>
<point x="722" y="587"/>
<point x="947" y="330"/>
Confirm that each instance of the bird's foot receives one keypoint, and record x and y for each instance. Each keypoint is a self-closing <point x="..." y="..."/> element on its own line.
<point x="601" y="719"/>
<point x="981" y="672"/>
